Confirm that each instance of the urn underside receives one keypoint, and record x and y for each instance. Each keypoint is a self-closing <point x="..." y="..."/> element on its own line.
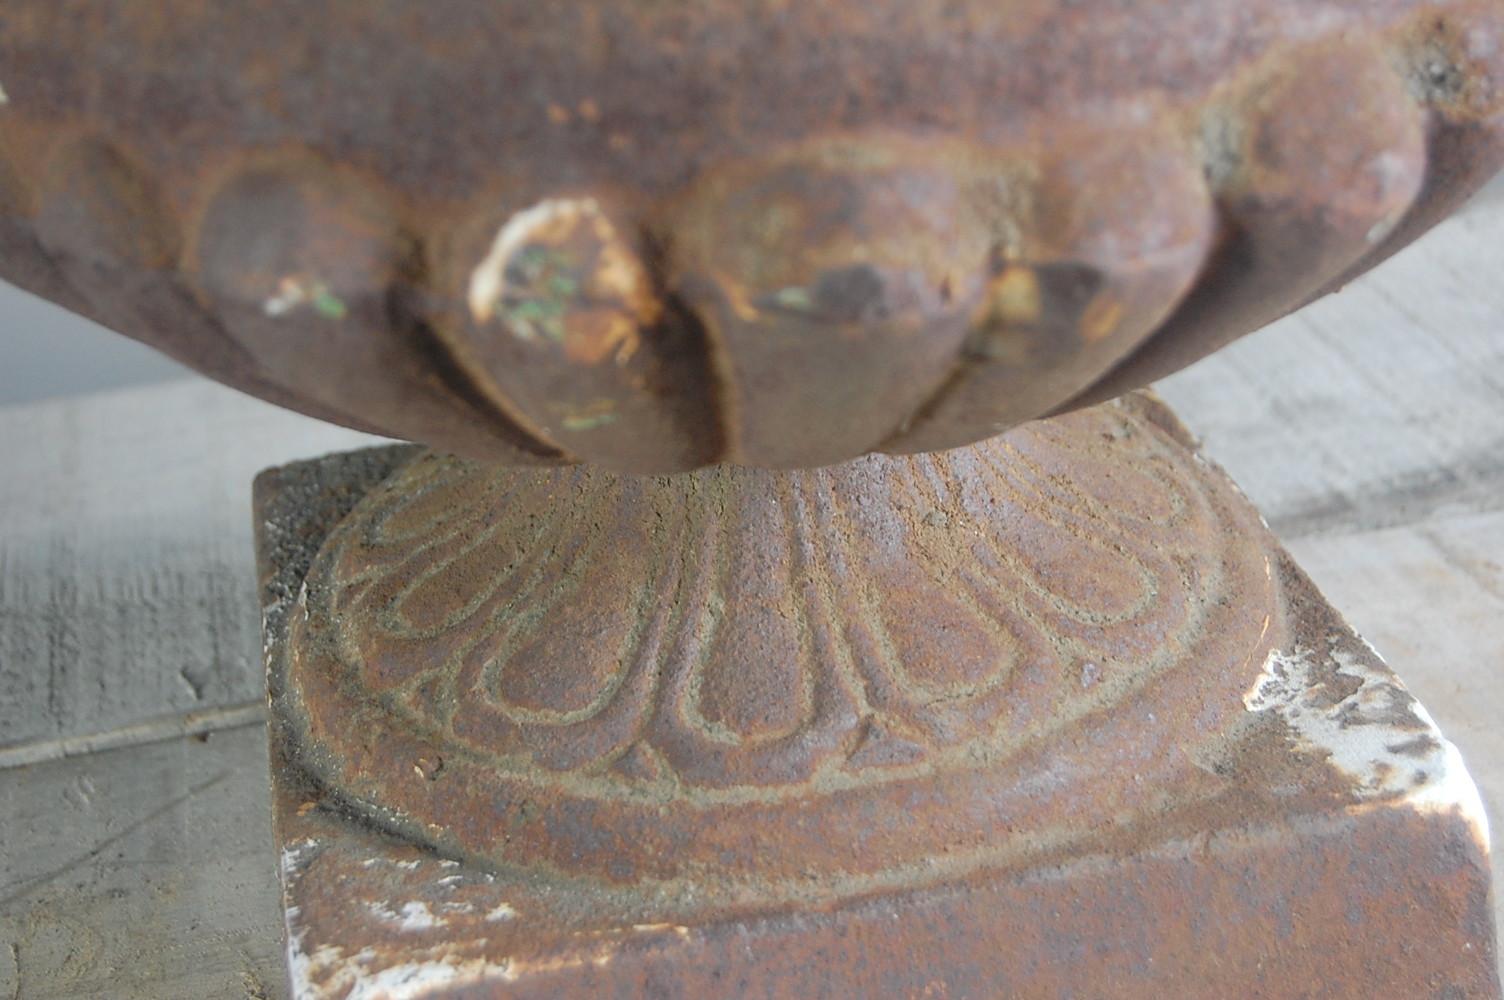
<point x="656" y="237"/>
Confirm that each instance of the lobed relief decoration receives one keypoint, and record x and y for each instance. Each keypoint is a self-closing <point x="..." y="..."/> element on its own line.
<point x="746" y="678"/>
<point x="690" y="236"/>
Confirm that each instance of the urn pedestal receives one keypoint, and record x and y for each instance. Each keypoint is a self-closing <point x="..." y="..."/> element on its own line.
<point x="1048" y="716"/>
<point x="739" y="655"/>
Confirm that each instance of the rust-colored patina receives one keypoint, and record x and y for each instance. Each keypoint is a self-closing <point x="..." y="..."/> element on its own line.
<point x="1049" y="716"/>
<point x="657" y="236"/>
<point x="1046" y="716"/>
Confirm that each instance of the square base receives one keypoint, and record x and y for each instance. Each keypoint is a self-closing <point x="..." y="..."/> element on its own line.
<point x="1345" y="854"/>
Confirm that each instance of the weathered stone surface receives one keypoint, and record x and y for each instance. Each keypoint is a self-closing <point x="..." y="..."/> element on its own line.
<point x="1049" y="716"/>
<point x="661" y="236"/>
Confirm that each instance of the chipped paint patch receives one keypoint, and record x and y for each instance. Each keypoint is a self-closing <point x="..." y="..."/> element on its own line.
<point x="413" y="917"/>
<point x="561" y="273"/>
<point x="1102" y="319"/>
<point x="293" y="855"/>
<point x="1377" y="734"/>
<point x="500" y="912"/>
<point x="591" y="418"/>
<point x="1383" y="228"/>
<point x="329" y="972"/>
<point x="410" y="864"/>
<point x="795" y="299"/>
<point x="1015" y="297"/>
<point x="297" y="291"/>
<point x="420" y="979"/>
<point x="1453" y="787"/>
<point x="678" y="930"/>
<point x="488" y="282"/>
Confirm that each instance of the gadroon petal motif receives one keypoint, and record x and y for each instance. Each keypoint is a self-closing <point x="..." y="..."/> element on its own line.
<point x="765" y="234"/>
<point x="569" y="642"/>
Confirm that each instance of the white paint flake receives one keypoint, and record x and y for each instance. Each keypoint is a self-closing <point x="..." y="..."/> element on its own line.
<point x="1379" y="735"/>
<point x="489" y="280"/>
<point x="414" y="916"/>
<point x="329" y="972"/>
<point x="292" y="855"/>
<point x="421" y="979"/>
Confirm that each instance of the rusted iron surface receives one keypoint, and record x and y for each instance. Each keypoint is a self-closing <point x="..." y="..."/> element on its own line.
<point x="657" y="236"/>
<point x="1050" y="716"/>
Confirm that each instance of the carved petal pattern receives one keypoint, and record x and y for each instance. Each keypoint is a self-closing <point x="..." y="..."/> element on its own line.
<point x="572" y="640"/>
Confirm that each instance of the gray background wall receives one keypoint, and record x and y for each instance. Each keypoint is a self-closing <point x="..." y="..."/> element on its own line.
<point x="46" y="352"/>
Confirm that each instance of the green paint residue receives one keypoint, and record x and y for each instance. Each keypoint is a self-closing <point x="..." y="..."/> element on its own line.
<point x="795" y="298"/>
<point x="544" y="287"/>
<point x="531" y="318"/>
<point x="329" y="305"/>
<point x="297" y="291"/>
<point x="589" y="422"/>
